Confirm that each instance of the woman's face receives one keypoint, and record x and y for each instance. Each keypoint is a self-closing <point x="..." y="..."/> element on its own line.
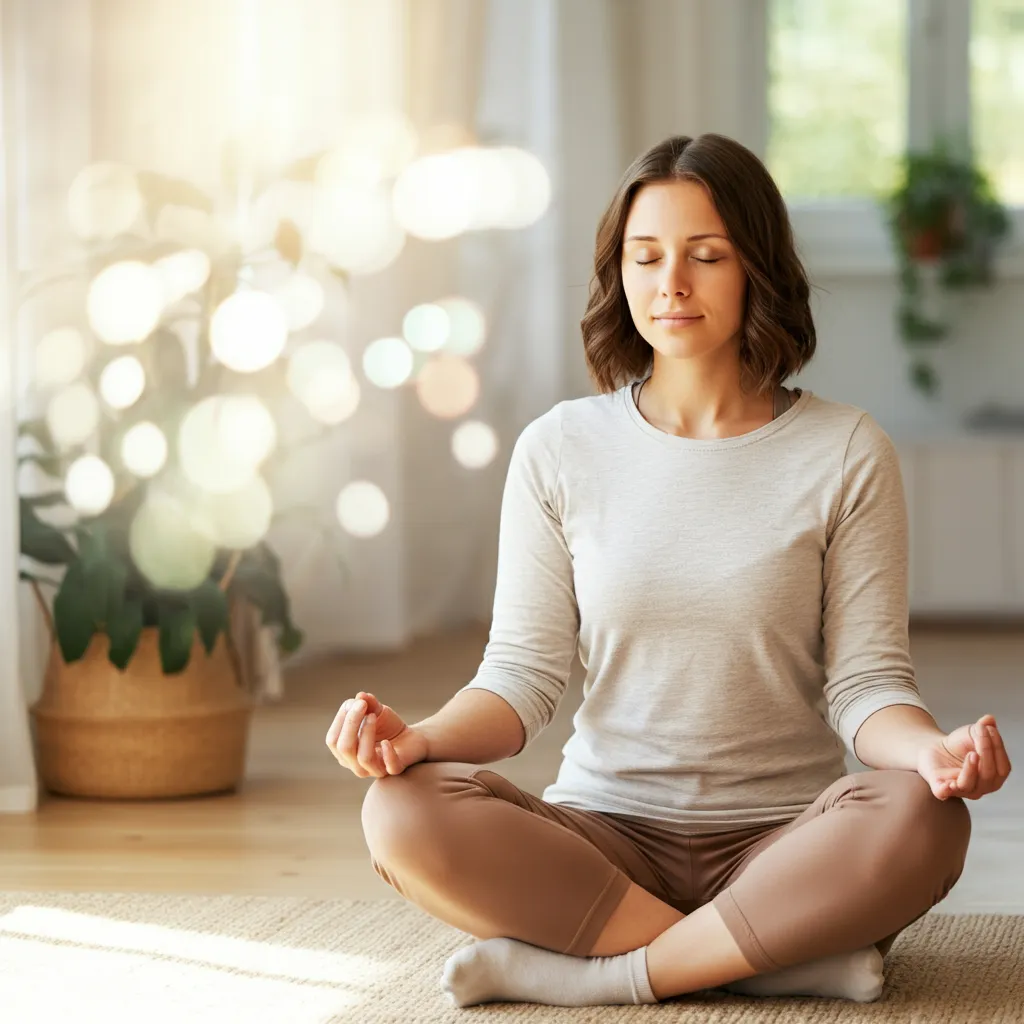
<point x="676" y="259"/>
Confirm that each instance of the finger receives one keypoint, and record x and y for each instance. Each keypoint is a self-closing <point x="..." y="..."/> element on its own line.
<point x="968" y="774"/>
<point x="335" y="728"/>
<point x="999" y="752"/>
<point x="392" y="761"/>
<point x="372" y="703"/>
<point x="350" y="732"/>
<point x="367" y="742"/>
<point x="986" y="759"/>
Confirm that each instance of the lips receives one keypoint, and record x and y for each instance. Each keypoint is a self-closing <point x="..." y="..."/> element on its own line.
<point x="676" y="316"/>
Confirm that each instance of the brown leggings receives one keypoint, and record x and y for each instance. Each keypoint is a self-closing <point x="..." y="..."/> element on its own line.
<point x="873" y="853"/>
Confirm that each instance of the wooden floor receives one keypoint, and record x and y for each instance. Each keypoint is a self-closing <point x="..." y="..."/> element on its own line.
<point x="293" y="828"/>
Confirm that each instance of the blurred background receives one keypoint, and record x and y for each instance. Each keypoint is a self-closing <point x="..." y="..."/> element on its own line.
<point x="403" y="196"/>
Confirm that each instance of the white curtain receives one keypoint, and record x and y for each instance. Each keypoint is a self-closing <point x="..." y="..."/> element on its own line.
<point x="44" y="76"/>
<point x="18" y="783"/>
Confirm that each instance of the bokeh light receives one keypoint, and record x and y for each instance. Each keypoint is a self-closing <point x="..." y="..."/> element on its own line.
<point x="192" y="228"/>
<point x="122" y="382"/>
<point x="170" y="547"/>
<point x="474" y="444"/>
<point x="302" y="297"/>
<point x="362" y="509"/>
<point x="467" y="325"/>
<point x="280" y="200"/>
<point x="223" y="440"/>
<point x="240" y="518"/>
<point x="434" y="196"/>
<point x="447" y="386"/>
<point x="103" y="201"/>
<point x="89" y="485"/>
<point x="144" y="449"/>
<point x="182" y="273"/>
<point x="60" y="357"/>
<point x="320" y="376"/>
<point x="125" y="301"/>
<point x="355" y="228"/>
<point x="387" y="362"/>
<point x="376" y="147"/>
<point x="72" y="414"/>
<point x="426" y="327"/>
<point x="513" y="188"/>
<point x="248" y="331"/>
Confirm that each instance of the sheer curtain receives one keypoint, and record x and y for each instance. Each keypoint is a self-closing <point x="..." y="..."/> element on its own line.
<point x="44" y="138"/>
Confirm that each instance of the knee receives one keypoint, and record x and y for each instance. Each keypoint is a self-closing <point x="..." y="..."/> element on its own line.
<point x="930" y="830"/>
<point x="400" y="812"/>
<point x="392" y="809"/>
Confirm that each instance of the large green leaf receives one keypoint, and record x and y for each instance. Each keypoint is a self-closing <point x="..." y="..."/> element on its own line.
<point x="177" y="632"/>
<point x="41" y="541"/>
<point x="210" y="605"/>
<point x="258" y="579"/>
<point x="124" y="627"/>
<point x="74" y="612"/>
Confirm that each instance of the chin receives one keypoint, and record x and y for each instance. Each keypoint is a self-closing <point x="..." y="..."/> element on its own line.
<point x="685" y="348"/>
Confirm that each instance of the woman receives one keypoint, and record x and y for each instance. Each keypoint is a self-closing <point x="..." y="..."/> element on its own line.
<point x="729" y="557"/>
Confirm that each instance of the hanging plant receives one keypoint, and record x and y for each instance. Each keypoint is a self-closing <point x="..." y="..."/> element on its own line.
<point x="945" y="221"/>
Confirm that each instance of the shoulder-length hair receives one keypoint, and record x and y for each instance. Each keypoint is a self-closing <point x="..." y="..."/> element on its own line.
<point x="778" y="336"/>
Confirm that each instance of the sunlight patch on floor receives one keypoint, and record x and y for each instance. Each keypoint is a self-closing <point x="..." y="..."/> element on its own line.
<point x="56" y="962"/>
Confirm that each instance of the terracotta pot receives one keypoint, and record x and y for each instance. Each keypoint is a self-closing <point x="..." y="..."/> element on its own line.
<point x="140" y="733"/>
<point x="927" y="245"/>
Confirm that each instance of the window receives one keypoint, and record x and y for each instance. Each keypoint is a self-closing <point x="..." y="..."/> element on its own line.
<point x="850" y="86"/>
<point x="997" y="93"/>
<point x="837" y="87"/>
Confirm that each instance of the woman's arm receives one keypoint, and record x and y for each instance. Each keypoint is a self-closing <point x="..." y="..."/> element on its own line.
<point x="535" y="620"/>
<point x="865" y="576"/>
<point x="475" y="726"/>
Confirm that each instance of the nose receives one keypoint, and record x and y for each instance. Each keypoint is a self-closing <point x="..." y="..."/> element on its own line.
<point x="675" y="279"/>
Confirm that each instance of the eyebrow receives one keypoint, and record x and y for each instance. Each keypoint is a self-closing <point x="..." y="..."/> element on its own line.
<point x="692" y="238"/>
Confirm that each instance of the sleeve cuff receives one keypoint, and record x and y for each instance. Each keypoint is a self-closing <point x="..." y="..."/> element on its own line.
<point x="512" y="695"/>
<point x="855" y="716"/>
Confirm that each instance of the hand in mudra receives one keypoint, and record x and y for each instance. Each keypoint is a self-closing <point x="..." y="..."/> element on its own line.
<point x="970" y="762"/>
<point x="369" y="738"/>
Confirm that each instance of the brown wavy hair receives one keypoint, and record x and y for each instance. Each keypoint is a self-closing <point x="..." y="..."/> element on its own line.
<point x="778" y="336"/>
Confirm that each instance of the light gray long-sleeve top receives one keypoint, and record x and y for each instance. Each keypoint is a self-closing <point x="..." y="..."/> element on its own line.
<point x="739" y="604"/>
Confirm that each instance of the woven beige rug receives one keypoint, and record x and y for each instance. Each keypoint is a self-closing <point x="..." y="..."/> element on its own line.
<point x="86" y="958"/>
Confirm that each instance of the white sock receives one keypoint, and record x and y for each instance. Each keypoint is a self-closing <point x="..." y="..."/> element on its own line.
<point x="506" y="970"/>
<point x="856" y="976"/>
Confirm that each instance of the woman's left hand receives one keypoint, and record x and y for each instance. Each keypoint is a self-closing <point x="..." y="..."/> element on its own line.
<point x="970" y="762"/>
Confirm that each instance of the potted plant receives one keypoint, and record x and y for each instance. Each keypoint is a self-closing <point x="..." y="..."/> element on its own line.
<point x="945" y="222"/>
<point x="152" y="564"/>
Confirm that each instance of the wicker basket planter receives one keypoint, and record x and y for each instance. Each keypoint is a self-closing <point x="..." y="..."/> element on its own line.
<point x="142" y="733"/>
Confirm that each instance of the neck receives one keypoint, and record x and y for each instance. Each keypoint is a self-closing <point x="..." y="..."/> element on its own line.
<point x="702" y="407"/>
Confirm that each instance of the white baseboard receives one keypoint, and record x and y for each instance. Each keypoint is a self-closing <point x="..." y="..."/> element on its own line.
<point x="18" y="799"/>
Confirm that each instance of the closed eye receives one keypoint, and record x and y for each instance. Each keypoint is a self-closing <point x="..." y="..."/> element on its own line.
<point x="643" y="263"/>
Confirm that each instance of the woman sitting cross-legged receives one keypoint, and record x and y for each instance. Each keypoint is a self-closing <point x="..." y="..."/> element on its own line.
<point x="728" y="557"/>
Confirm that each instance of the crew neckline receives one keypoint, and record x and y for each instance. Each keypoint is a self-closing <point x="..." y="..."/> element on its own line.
<point x="712" y="443"/>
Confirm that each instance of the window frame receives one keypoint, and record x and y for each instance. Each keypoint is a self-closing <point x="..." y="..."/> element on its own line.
<point x="850" y="236"/>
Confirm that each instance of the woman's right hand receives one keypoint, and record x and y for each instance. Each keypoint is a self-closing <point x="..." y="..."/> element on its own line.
<point x="369" y="738"/>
